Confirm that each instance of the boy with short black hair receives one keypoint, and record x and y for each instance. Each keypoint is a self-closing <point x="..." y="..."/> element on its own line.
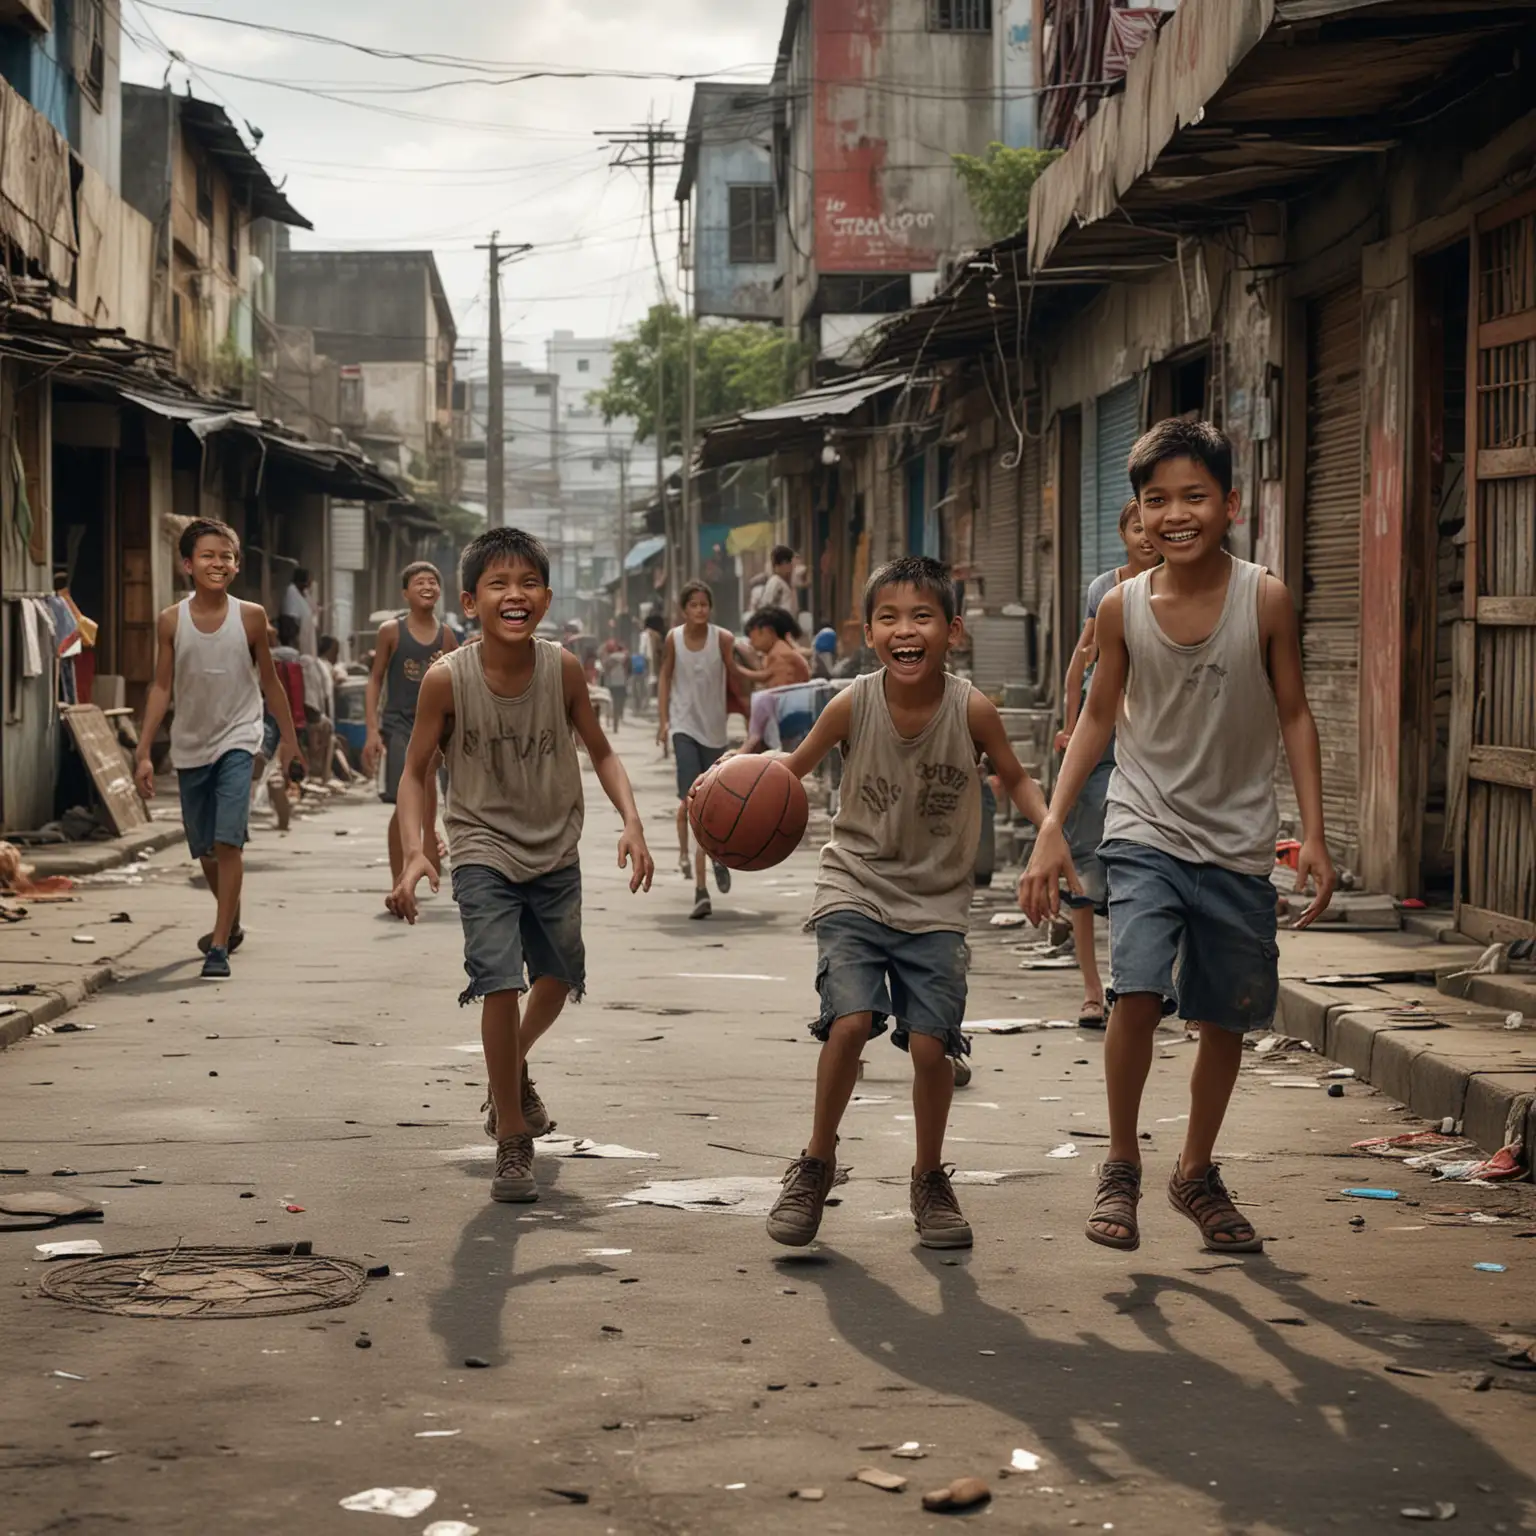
<point x="505" y="713"/>
<point x="698" y="663"/>
<point x="893" y="891"/>
<point x="1198" y="677"/>
<point x="215" y="662"/>
<point x="405" y="648"/>
<point x="778" y="591"/>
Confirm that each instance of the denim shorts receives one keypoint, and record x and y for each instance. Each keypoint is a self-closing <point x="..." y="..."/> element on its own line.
<point x="1084" y="831"/>
<point x="216" y="802"/>
<point x="919" y="978"/>
<point x="396" y="740"/>
<point x="692" y="758"/>
<point x="1201" y="937"/>
<point x="515" y="926"/>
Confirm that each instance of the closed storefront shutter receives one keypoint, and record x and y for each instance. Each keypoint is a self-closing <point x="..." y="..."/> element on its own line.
<point x="1330" y="610"/>
<point x="1115" y="419"/>
<point x="998" y="547"/>
<point x="1032" y="561"/>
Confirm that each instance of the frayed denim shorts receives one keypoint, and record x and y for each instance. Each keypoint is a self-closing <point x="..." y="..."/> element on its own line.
<point x="516" y="932"/>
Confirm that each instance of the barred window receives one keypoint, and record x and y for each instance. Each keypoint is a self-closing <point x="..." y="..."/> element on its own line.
<point x="753" y="225"/>
<point x="959" y="15"/>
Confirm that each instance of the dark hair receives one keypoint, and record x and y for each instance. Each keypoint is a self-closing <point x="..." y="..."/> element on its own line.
<point x="202" y="528"/>
<point x="655" y="623"/>
<point x="287" y="629"/>
<point x="1131" y="509"/>
<point x="781" y="553"/>
<point x="328" y="643"/>
<point x="300" y="577"/>
<point x="415" y="568"/>
<point x="692" y="587"/>
<point x="775" y="619"/>
<point x="931" y="576"/>
<point x="1202" y="441"/>
<point x="501" y="546"/>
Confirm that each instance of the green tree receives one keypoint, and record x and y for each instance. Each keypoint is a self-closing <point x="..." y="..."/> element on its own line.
<point x="738" y="366"/>
<point x="998" y="184"/>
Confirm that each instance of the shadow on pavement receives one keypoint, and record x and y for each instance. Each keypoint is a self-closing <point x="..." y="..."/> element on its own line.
<point x="1280" y="1437"/>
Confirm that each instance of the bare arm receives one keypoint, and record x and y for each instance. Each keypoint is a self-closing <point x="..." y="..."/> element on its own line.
<point x="434" y="718"/>
<point x="1298" y="730"/>
<point x="734" y="670"/>
<point x="610" y="772"/>
<point x="1074" y="686"/>
<point x="830" y="728"/>
<point x="384" y="648"/>
<point x="276" y="696"/>
<point x="664" y="688"/>
<point x="158" y="702"/>
<point x="988" y="734"/>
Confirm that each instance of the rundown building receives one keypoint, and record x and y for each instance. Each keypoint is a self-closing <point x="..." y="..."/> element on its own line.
<point x="530" y="421"/>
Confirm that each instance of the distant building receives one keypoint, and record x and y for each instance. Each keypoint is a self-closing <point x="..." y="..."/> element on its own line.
<point x="532" y="467"/>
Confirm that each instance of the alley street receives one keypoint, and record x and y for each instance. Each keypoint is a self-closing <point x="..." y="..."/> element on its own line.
<point x="649" y="1368"/>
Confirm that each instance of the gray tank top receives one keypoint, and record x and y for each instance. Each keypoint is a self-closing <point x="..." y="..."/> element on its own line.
<point x="514" y="781"/>
<point x="215" y="690"/>
<point x="903" y="847"/>
<point x="407" y="667"/>
<point x="1197" y="736"/>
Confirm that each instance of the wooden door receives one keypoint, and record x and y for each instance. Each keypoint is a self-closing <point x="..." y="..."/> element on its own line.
<point x="1493" y="727"/>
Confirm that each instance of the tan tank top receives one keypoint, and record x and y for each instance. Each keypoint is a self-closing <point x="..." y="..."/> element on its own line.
<point x="514" y="781"/>
<point x="903" y="848"/>
<point x="1197" y="735"/>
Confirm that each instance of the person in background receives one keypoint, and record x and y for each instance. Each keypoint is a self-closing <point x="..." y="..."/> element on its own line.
<point x="824" y="653"/>
<point x="614" y="660"/>
<point x="777" y="591"/>
<point x="772" y="633"/>
<point x="297" y="605"/>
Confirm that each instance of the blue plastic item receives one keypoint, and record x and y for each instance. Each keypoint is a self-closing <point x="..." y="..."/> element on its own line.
<point x="1490" y="1269"/>
<point x="1372" y="1194"/>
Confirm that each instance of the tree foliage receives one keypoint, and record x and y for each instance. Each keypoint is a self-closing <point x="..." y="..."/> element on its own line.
<point x="738" y="366"/>
<point x="998" y="184"/>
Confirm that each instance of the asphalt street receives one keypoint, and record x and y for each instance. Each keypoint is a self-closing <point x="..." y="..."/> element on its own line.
<point x="656" y="1367"/>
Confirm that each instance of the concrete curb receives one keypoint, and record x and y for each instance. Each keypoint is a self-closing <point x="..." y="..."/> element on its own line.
<point x="46" y="1006"/>
<point x="93" y="858"/>
<point x="1436" y="1073"/>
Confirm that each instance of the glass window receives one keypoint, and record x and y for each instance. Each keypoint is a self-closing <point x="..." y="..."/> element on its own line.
<point x="754" y="225"/>
<point x="959" y="15"/>
<point x="583" y="365"/>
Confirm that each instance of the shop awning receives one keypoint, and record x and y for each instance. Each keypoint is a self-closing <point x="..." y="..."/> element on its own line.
<point x="757" y="434"/>
<point x="646" y="549"/>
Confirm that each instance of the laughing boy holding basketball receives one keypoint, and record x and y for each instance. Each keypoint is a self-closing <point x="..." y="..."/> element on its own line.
<point x="893" y="891"/>
<point x="503" y="713"/>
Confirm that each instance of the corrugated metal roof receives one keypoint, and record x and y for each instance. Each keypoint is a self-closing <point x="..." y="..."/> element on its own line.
<point x="756" y="434"/>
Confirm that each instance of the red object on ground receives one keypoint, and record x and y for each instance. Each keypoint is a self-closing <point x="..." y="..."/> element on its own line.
<point x="1287" y="853"/>
<point x="748" y="812"/>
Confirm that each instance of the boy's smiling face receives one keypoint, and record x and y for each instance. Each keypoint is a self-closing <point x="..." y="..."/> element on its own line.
<point x="510" y="600"/>
<point x="1183" y="511"/>
<point x="213" y="564"/>
<point x="909" y="632"/>
<point x="423" y="590"/>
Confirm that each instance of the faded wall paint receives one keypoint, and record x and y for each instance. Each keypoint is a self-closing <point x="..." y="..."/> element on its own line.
<point x="730" y="145"/>
<point x="1013" y="24"/>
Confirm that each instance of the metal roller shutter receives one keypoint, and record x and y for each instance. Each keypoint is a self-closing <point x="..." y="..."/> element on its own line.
<point x="997" y="531"/>
<point x="1330" y="610"/>
<point x="1029" y="523"/>
<point x="1117" y="420"/>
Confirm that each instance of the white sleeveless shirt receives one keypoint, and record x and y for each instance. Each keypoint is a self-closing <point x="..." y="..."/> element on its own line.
<point x="1197" y="735"/>
<point x="215" y="690"/>
<point x="696" y="704"/>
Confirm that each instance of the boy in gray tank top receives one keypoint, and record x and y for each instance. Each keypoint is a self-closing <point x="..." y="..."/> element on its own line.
<point x="1199" y="677"/>
<point x="502" y="711"/>
<point x="405" y="648"/>
<point x="893" y="893"/>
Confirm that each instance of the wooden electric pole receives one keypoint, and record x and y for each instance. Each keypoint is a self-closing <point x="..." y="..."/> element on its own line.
<point x="495" y="419"/>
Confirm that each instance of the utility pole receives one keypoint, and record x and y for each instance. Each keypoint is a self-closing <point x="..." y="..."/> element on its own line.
<point x="495" y="429"/>
<point x="644" y="145"/>
<point x="622" y="456"/>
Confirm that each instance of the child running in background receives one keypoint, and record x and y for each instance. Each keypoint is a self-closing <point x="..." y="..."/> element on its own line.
<point x="893" y="891"/>
<point x="405" y="648"/>
<point x="1084" y="828"/>
<point x="1198" y="679"/>
<point x="772" y="633"/>
<point x="215" y="664"/>
<point x="697" y="661"/>
<point x="505" y="713"/>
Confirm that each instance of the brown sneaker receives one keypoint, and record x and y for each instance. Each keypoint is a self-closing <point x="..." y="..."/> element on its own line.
<point x="513" y="1180"/>
<point x="535" y="1116"/>
<point x="796" y="1214"/>
<point x="937" y="1212"/>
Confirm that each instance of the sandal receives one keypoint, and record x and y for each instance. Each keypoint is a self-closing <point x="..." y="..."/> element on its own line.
<point x="1208" y="1204"/>
<point x="1115" y="1206"/>
<point x="1092" y="1016"/>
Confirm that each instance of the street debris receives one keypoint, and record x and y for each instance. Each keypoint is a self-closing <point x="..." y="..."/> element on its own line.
<point x="606" y="1253"/>
<point x="1023" y="1461"/>
<point x="1441" y="1511"/>
<point x="68" y="1376"/>
<point x="963" y="1493"/>
<point x="1371" y="1194"/>
<point x="1011" y="1026"/>
<point x="406" y="1503"/>
<point x="30" y="1209"/>
<point x="1490" y="1269"/>
<point x="580" y="1146"/>
<point x="573" y="1495"/>
<point x="1335" y="1090"/>
<point x="987" y="1176"/>
<point x="910" y="1450"/>
<point x="437" y="1434"/>
<point x="451" y="1528"/>
<point x="1066" y="1149"/>
<point x="82" y="938"/>
<point x="1408" y="1370"/>
<point x="876" y="1477"/>
<point x="740" y="1195"/>
<point x="79" y="1248"/>
<point x="808" y="1495"/>
<point x="1268" y="1045"/>
<point x="1007" y="920"/>
<point x="476" y="1363"/>
<point x="1514" y="1020"/>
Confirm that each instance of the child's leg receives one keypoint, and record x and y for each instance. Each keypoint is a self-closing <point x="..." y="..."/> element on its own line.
<point x="225" y="881"/>
<point x="396" y="848"/>
<point x="682" y="833"/>
<point x="837" y="1070"/>
<point x="1210" y="1089"/>
<point x="546" y="1000"/>
<point x="500" y="1036"/>
<point x="1127" y="1060"/>
<point x="1087" y="957"/>
<point x="933" y="1087"/>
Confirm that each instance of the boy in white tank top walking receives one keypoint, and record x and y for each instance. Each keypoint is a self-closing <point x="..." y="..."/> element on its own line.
<point x="893" y="891"/>
<point x="503" y="712"/>
<point x="1199" y="677"/>
<point x="215" y="662"/>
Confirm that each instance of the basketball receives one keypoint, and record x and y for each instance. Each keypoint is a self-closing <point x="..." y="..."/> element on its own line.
<point x="748" y="812"/>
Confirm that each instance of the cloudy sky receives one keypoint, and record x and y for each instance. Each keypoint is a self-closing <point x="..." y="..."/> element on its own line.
<point x="376" y="161"/>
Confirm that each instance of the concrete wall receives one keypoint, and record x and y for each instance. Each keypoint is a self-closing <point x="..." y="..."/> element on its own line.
<point x="733" y="148"/>
<point x="395" y="399"/>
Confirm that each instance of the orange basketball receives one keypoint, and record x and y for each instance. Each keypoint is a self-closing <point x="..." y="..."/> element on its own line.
<point x="748" y="812"/>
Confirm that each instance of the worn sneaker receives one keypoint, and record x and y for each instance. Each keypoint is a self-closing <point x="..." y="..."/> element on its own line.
<point x="535" y="1116"/>
<point x="513" y="1181"/>
<point x="796" y="1214"/>
<point x="236" y="939"/>
<point x="962" y="1071"/>
<point x="937" y="1212"/>
<point x="722" y="878"/>
<point x="216" y="963"/>
<point x="701" y="906"/>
